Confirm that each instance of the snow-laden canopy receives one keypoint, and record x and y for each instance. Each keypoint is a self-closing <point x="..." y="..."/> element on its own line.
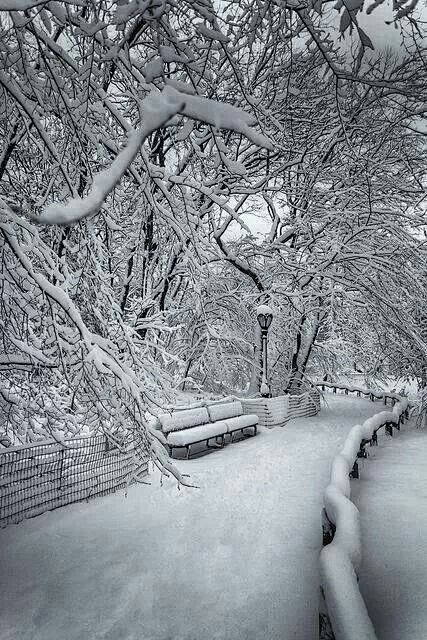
<point x="139" y="141"/>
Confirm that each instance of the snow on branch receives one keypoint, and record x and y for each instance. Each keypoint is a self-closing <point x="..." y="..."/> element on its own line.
<point x="24" y="5"/>
<point x="110" y="370"/>
<point x="221" y="116"/>
<point x="158" y="109"/>
<point x="19" y="361"/>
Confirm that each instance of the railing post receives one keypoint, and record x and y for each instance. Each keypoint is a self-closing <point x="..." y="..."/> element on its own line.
<point x="328" y="528"/>
<point x="354" y="473"/>
<point x="362" y="453"/>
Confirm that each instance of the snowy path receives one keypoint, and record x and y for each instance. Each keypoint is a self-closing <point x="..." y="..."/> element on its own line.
<point x="392" y="498"/>
<point x="234" y="560"/>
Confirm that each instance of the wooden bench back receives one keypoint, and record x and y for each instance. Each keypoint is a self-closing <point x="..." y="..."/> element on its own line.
<point x="185" y="419"/>
<point x="188" y="418"/>
<point x="225" y="410"/>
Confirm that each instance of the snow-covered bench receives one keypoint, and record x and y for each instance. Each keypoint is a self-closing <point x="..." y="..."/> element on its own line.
<point x="186" y="427"/>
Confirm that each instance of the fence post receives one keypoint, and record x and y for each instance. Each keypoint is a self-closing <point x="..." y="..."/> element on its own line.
<point x="61" y="468"/>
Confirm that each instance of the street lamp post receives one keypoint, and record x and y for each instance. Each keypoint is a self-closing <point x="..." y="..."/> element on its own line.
<point x="265" y="318"/>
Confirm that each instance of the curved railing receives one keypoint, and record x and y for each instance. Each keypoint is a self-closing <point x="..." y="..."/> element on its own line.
<point x="359" y="391"/>
<point x="341" y="557"/>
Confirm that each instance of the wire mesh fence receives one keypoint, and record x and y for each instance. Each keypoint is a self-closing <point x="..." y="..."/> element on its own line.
<point x="46" y="475"/>
<point x="43" y="476"/>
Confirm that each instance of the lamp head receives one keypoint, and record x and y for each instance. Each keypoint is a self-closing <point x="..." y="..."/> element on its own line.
<point x="264" y="316"/>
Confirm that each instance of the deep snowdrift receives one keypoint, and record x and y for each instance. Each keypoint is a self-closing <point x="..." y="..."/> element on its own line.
<point x="235" y="559"/>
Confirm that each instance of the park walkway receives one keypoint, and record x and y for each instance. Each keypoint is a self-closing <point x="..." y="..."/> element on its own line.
<point x="392" y="498"/>
<point x="236" y="559"/>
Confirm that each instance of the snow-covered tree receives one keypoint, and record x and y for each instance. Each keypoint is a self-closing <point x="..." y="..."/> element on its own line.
<point x="140" y="143"/>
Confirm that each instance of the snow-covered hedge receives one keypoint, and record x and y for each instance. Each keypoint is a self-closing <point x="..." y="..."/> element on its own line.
<point x="340" y="560"/>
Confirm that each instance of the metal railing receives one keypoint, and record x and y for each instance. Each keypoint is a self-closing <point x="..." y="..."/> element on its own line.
<point x="342" y="552"/>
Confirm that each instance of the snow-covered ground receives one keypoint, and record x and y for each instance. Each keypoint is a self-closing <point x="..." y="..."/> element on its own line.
<point x="235" y="559"/>
<point x="392" y="498"/>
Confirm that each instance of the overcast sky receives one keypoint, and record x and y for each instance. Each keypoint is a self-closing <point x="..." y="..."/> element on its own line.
<point x="382" y="34"/>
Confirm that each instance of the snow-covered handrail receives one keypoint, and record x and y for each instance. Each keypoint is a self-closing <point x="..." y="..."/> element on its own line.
<point x="385" y="395"/>
<point x="340" y="559"/>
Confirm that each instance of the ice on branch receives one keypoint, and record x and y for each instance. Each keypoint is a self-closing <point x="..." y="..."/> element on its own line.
<point x="158" y="109"/>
